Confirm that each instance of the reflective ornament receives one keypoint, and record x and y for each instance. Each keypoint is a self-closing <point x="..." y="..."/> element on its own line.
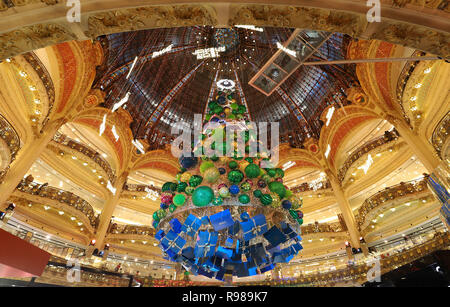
<point x="294" y="214"/>
<point x="202" y="196"/>
<point x="224" y="192"/>
<point x="182" y="187"/>
<point x="161" y="214"/>
<point x="179" y="200"/>
<point x="243" y="164"/>
<point x="286" y="204"/>
<point x="279" y="173"/>
<point x="300" y="221"/>
<point x="244" y="199"/>
<point x="296" y="201"/>
<point x="155" y="224"/>
<point x="169" y="186"/>
<point x="205" y="165"/>
<point x="222" y="170"/>
<point x="195" y="180"/>
<point x="164" y="206"/>
<point x="261" y="183"/>
<point x="246" y="186"/>
<point x="257" y="193"/>
<point x="188" y="162"/>
<point x="299" y="214"/>
<point x="217" y="201"/>
<point x="212" y="175"/>
<point x="235" y="176"/>
<point x="185" y="177"/>
<point x="221" y="185"/>
<point x="155" y="216"/>
<point x="189" y="190"/>
<point x="172" y="208"/>
<point x="277" y="187"/>
<point x="252" y="171"/>
<point x="234" y="189"/>
<point x="266" y="199"/>
<point x="233" y="165"/>
<point x="245" y="216"/>
<point x="166" y="198"/>
<point x="276" y="202"/>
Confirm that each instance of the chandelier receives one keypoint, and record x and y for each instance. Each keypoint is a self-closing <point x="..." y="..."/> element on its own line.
<point x="227" y="215"/>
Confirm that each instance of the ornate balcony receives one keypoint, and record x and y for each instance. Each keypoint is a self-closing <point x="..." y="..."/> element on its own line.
<point x="388" y="137"/>
<point x="401" y="190"/>
<point x="92" y="154"/>
<point x="131" y="230"/>
<point x="440" y="135"/>
<point x="61" y="196"/>
<point x="322" y="228"/>
<point x="12" y="140"/>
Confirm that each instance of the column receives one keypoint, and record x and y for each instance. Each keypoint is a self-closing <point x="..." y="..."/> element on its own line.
<point x="108" y="210"/>
<point x="344" y="206"/>
<point x="25" y="158"/>
<point x="420" y="147"/>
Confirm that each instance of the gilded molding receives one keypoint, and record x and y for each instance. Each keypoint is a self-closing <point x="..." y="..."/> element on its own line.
<point x="149" y="17"/>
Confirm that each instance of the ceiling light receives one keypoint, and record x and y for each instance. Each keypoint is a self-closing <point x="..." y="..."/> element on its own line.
<point x="73" y="218"/>
<point x="427" y="71"/>
<point x="46" y="207"/>
<point x="61" y="212"/>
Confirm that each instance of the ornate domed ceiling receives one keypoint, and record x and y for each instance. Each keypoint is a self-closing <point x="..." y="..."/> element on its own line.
<point x="172" y="77"/>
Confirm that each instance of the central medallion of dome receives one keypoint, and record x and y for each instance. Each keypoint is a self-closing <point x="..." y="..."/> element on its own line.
<point x="227" y="38"/>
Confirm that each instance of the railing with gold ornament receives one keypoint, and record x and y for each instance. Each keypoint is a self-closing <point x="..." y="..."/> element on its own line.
<point x="321" y="228"/>
<point x="92" y="154"/>
<point x="9" y="135"/>
<point x="131" y="230"/>
<point x="440" y="135"/>
<point x="380" y="198"/>
<point x="62" y="196"/>
<point x="389" y="136"/>
<point x="307" y="187"/>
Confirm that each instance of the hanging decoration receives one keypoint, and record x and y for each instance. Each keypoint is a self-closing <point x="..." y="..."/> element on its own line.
<point x="225" y="214"/>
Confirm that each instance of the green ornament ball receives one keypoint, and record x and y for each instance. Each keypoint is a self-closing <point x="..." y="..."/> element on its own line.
<point x="161" y="214"/>
<point x="257" y="193"/>
<point x="189" y="190"/>
<point x="205" y="165"/>
<point x="246" y="186"/>
<point x="289" y="193"/>
<point x="233" y="165"/>
<point x="169" y="187"/>
<point x="252" y="171"/>
<point x="202" y="196"/>
<point x="279" y="173"/>
<point x="172" y="208"/>
<point x="182" y="187"/>
<point x="266" y="199"/>
<point x="235" y="176"/>
<point x="300" y="221"/>
<point x="155" y="216"/>
<point x="271" y="172"/>
<point x="244" y="199"/>
<point x="294" y="214"/>
<point x="277" y="187"/>
<point x="217" y="201"/>
<point x="179" y="200"/>
<point x="195" y="180"/>
<point x="212" y="175"/>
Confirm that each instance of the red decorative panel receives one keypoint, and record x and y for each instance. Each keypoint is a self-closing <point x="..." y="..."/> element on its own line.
<point x="69" y="67"/>
<point x="18" y="258"/>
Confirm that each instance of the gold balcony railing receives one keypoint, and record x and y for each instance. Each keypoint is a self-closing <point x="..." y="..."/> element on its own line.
<point x="305" y="187"/>
<point x="321" y="228"/>
<point x="402" y="189"/>
<point x="92" y="154"/>
<point x="62" y="196"/>
<point x="389" y="136"/>
<point x="440" y="135"/>
<point x="131" y="230"/>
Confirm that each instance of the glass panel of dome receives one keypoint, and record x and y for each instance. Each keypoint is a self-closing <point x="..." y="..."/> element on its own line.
<point x="302" y="50"/>
<point x="275" y="73"/>
<point x="286" y="62"/>
<point x="265" y="84"/>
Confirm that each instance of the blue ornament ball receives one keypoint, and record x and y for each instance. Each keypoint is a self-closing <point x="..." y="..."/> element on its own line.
<point x="155" y="224"/>
<point x="245" y="216"/>
<point x="188" y="162"/>
<point x="164" y="206"/>
<point x="214" y="119"/>
<point x="234" y="189"/>
<point x="222" y="170"/>
<point x="286" y="204"/>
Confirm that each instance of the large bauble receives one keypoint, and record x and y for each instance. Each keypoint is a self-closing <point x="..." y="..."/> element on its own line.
<point x="195" y="180"/>
<point x="202" y="196"/>
<point x="257" y="193"/>
<point x="279" y="173"/>
<point x="212" y="175"/>
<point x="235" y="176"/>
<point x="189" y="190"/>
<point x="277" y="187"/>
<point x="252" y="171"/>
<point x="271" y="172"/>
